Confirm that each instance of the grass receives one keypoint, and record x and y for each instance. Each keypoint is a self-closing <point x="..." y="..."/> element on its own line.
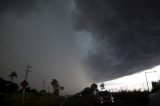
<point x="31" y="99"/>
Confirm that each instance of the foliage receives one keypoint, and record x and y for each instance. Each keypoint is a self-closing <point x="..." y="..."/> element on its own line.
<point x="31" y="99"/>
<point x="102" y="86"/>
<point x="34" y="90"/>
<point x="93" y="86"/>
<point x="55" y="86"/>
<point x="8" y="87"/>
<point x="42" y="91"/>
<point x="86" y="92"/>
<point x="12" y="75"/>
<point x="155" y="86"/>
<point x="89" y="91"/>
<point x="3" y="85"/>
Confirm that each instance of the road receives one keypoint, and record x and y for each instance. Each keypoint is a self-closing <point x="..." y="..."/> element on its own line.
<point x="72" y="101"/>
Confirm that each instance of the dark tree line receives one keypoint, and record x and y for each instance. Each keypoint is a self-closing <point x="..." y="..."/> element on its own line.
<point x="155" y="86"/>
<point x="88" y="91"/>
<point x="7" y="87"/>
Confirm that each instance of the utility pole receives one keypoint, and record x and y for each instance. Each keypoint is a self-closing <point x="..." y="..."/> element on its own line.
<point x="27" y="70"/>
<point x="44" y="85"/>
<point x="48" y="88"/>
<point x="25" y="83"/>
<point x="147" y="79"/>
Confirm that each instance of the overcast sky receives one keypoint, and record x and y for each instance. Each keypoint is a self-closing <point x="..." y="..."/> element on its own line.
<point x="78" y="42"/>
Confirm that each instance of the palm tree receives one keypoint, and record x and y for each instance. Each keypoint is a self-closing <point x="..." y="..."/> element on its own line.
<point x="12" y="75"/>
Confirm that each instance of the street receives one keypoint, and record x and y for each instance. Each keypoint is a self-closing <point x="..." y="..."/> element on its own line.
<point x="72" y="101"/>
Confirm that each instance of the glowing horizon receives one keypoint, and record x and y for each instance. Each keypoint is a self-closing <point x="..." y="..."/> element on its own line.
<point x="136" y="81"/>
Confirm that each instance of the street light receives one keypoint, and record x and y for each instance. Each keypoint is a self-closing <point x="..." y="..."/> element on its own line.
<point x="147" y="79"/>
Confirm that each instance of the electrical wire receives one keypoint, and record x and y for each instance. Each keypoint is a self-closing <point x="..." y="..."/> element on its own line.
<point x="12" y="52"/>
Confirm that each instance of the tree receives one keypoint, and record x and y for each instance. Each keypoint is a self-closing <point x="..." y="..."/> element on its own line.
<point x="12" y="75"/>
<point x="43" y="91"/>
<point x="94" y="88"/>
<point x="87" y="92"/>
<point x="3" y="85"/>
<point x="7" y="87"/>
<point x="34" y="90"/>
<point x="102" y="86"/>
<point x="55" y="86"/>
<point x="11" y="87"/>
<point x="155" y="86"/>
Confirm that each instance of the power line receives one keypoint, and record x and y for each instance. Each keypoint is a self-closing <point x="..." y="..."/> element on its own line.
<point x="5" y="67"/>
<point x="12" y="52"/>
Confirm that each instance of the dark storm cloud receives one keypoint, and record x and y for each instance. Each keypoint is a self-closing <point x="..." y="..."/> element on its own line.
<point x="128" y="32"/>
<point x="24" y="7"/>
<point x="40" y="31"/>
<point x="17" y="6"/>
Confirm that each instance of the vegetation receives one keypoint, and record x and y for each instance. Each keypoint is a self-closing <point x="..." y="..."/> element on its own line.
<point x="155" y="86"/>
<point x="55" y="86"/>
<point x="88" y="91"/>
<point x="136" y="96"/>
<point x="12" y="75"/>
<point x="102" y="86"/>
<point x="31" y="99"/>
<point x="11" y="96"/>
<point x="8" y="87"/>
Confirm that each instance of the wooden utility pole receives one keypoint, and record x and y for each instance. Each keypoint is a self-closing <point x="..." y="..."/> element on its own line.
<point x="43" y="85"/>
<point x="48" y="88"/>
<point x="147" y="79"/>
<point x="25" y="83"/>
<point x="27" y="70"/>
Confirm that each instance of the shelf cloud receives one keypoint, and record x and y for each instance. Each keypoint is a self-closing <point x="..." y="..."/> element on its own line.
<point x="126" y="35"/>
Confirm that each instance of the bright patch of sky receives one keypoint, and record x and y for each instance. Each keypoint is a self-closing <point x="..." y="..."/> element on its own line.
<point x="136" y="81"/>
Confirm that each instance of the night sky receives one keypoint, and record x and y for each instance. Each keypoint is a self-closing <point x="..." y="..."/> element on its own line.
<point x="78" y="41"/>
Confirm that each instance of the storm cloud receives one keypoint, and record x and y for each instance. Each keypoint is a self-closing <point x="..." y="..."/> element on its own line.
<point x="78" y="42"/>
<point x="125" y="35"/>
<point x="39" y="33"/>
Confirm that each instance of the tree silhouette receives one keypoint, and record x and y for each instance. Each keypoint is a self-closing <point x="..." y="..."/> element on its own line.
<point x="155" y="86"/>
<point x="55" y="86"/>
<point x="7" y="87"/>
<point x="3" y="85"/>
<point x="12" y="75"/>
<point x="102" y="86"/>
<point x="87" y="91"/>
<point x="94" y="88"/>
<point x="11" y="87"/>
